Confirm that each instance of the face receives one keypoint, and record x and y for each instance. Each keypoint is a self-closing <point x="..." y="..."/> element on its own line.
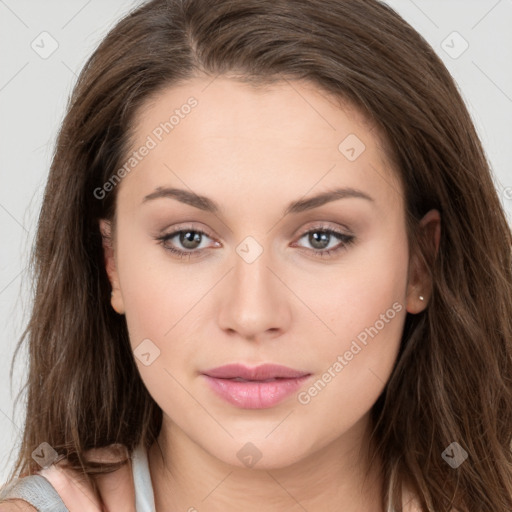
<point x="256" y="272"/>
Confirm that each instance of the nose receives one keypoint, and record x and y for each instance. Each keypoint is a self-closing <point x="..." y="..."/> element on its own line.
<point x="254" y="303"/>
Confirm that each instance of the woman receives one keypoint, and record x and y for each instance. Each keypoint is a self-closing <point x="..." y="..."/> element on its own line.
<point x="272" y="273"/>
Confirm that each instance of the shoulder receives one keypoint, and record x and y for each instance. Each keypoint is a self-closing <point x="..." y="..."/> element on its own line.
<point x="29" y="492"/>
<point x="16" y="506"/>
<point x="59" y="486"/>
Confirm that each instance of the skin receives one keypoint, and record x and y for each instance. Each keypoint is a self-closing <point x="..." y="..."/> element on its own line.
<point x="253" y="151"/>
<point x="113" y="491"/>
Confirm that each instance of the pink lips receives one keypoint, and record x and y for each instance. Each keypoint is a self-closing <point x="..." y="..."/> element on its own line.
<point x="257" y="387"/>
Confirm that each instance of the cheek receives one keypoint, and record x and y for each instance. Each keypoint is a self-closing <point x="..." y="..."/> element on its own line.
<point x="352" y="295"/>
<point x="158" y="292"/>
<point x="162" y="300"/>
<point x="159" y="299"/>
<point x="355" y="371"/>
<point x="367" y="314"/>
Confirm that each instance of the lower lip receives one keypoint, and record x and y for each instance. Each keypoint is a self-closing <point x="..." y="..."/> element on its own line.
<point x="255" y="394"/>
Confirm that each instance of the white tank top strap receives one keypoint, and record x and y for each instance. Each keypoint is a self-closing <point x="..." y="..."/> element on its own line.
<point x="144" y="497"/>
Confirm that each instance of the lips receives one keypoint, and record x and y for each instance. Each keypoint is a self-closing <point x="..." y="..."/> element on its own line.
<point x="254" y="387"/>
<point x="260" y="373"/>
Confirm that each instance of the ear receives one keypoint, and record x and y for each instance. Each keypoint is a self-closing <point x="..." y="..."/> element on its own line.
<point x="419" y="282"/>
<point x="116" y="298"/>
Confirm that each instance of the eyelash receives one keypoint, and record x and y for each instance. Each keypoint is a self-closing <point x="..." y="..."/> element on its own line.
<point x="346" y="241"/>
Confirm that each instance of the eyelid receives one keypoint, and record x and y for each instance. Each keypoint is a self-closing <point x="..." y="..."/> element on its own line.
<point x="325" y="226"/>
<point x="184" y="227"/>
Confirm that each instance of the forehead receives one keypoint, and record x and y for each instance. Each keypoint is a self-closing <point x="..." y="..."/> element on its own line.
<point x="218" y="134"/>
<point x="226" y="106"/>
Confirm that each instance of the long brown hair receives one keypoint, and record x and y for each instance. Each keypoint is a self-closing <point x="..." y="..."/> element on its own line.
<point x="452" y="380"/>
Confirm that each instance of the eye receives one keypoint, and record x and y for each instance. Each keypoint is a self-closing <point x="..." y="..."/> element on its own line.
<point x="189" y="239"/>
<point x="323" y="241"/>
<point x="186" y="242"/>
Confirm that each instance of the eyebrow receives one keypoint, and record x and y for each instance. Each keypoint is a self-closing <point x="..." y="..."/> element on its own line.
<point x="301" y="205"/>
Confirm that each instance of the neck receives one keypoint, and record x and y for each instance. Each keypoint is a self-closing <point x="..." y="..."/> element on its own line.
<point x="335" y="477"/>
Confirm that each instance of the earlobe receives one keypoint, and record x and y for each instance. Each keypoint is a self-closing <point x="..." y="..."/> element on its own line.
<point x="419" y="286"/>
<point x="116" y="298"/>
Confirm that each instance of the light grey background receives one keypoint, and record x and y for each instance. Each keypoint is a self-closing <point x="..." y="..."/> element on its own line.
<point x="34" y="88"/>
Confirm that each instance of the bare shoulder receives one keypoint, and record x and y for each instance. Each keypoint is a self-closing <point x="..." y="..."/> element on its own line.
<point x="16" y="506"/>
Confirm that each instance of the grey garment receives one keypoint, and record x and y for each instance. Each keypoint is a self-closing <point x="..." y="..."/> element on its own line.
<point x="37" y="491"/>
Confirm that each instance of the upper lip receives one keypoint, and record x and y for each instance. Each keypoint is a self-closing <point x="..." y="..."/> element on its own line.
<point x="262" y="372"/>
